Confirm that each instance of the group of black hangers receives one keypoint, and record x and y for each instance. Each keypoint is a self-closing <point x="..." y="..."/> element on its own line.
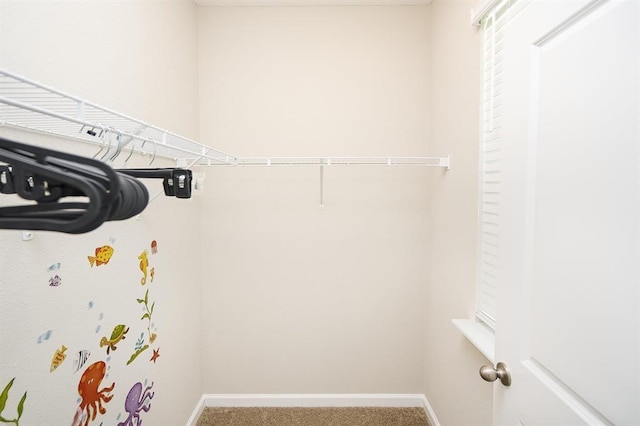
<point x="46" y="177"/>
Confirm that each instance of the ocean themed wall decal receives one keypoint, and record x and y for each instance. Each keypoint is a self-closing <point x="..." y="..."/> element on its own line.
<point x="102" y="256"/>
<point x="54" y="267"/>
<point x="154" y="247"/>
<point x="156" y="355"/>
<point x="136" y="353"/>
<point x="55" y="281"/>
<point x="118" y="333"/>
<point x="152" y="272"/>
<point x="137" y="401"/>
<point x="4" y="397"/>
<point x="148" y="312"/>
<point x="91" y="397"/>
<point x="140" y="341"/>
<point x="80" y="360"/>
<point x="45" y="336"/>
<point x="100" y="318"/>
<point x="144" y="265"/>
<point x="58" y="358"/>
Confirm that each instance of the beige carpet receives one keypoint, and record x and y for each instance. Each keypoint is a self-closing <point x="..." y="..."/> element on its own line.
<point x="320" y="416"/>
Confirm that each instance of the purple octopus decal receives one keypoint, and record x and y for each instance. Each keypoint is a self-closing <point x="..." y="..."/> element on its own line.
<point x="137" y="401"/>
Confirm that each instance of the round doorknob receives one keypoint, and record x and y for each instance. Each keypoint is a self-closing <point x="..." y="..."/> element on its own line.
<point x="491" y="374"/>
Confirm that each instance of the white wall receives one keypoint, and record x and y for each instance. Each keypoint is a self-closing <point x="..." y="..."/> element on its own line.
<point x="357" y="297"/>
<point x="452" y="383"/>
<point x="300" y="299"/>
<point x="138" y="57"/>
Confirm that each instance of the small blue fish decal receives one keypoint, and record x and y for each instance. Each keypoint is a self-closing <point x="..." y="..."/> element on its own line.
<point x="45" y="336"/>
<point x="54" y="267"/>
<point x="55" y="281"/>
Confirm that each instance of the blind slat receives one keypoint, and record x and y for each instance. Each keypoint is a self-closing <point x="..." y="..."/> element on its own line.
<point x="491" y="143"/>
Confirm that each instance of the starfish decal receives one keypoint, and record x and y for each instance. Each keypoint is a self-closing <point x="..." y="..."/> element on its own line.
<point x="156" y="355"/>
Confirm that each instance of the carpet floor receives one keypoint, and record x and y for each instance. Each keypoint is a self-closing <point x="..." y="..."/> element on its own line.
<point x="316" y="416"/>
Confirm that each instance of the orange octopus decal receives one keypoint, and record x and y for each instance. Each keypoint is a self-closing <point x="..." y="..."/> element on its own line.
<point x="92" y="398"/>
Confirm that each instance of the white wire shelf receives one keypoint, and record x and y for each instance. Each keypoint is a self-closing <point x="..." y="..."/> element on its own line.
<point x="27" y="104"/>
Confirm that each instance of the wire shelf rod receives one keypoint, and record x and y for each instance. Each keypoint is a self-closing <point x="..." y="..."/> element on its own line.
<point x="221" y="156"/>
<point x="29" y="96"/>
<point x="343" y="161"/>
<point x="28" y="104"/>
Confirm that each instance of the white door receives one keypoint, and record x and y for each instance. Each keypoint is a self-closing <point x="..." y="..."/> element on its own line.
<point x="568" y="320"/>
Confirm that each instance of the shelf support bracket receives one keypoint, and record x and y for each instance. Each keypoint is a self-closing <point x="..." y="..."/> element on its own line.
<point x="321" y="184"/>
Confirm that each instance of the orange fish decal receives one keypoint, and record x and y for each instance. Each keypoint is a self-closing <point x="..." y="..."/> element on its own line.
<point x="102" y="257"/>
<point x="58" y="357"/>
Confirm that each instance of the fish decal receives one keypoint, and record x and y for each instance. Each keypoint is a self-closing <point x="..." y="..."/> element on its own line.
<point x="58" y="357"/>
<point x="55" y="281"/>
<point x="45" y="336"/>
<point x="81" y="360"/>
<point x="144" y="266"/>
<point x="54" y="267"/>
<point x="102" y="257"/>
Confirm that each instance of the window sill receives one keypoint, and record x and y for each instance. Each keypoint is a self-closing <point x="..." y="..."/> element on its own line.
<point x="481" y="336"/>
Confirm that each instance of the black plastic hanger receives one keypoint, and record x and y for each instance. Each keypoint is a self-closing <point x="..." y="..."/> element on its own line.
<point x="176" y="182"/>
<point x="46" y="177"/>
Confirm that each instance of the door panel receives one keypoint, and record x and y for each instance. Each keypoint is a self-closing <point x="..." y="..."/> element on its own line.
<point x="568" y="319"/>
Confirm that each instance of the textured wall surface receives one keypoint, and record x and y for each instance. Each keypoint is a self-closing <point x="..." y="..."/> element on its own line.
<point x="301" y="299"/>
<point x="452" y="384"/>
<point x="257" y="289"/>
<point x="138" y="57"/>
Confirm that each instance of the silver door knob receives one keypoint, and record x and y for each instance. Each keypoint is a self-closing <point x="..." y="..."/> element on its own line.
<point x="491" y="374"/>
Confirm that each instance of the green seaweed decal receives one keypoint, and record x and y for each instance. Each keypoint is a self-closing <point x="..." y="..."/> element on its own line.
<point x="4" y="396"/>
<point x="143" y="344"/>
<point x="147" y="314"/>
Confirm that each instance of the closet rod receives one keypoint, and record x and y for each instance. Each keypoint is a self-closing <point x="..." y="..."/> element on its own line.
<point x="342" y="161"/>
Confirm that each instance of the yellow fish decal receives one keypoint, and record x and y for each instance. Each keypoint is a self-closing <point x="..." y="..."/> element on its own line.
<point x="58" y="358"/>
<point x="102" y="257"/>
<point x="144" y="266"/>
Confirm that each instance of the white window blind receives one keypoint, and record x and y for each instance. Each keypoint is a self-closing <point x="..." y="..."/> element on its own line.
<point x="491" y="143"/>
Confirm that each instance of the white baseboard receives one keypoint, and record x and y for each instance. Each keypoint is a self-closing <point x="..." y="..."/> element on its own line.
<point x="197" y="412"/>
<point x="313" y="400"/>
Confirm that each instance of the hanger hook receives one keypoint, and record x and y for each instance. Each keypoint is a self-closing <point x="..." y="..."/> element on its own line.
<point x="119" y="146"/>
<point x="133" y="148"/>
<point x="155" y="147"/>
<point x="102" y="141"/>
<point x="108" y="131"/>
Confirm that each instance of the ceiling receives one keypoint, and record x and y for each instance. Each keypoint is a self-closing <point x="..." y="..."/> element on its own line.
<point x="308" y="2"/>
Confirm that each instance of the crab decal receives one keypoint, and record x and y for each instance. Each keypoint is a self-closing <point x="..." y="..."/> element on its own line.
<point x="92" y="398"/>
<point x="137" y="401"/>
<point x="118" y="334"/>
